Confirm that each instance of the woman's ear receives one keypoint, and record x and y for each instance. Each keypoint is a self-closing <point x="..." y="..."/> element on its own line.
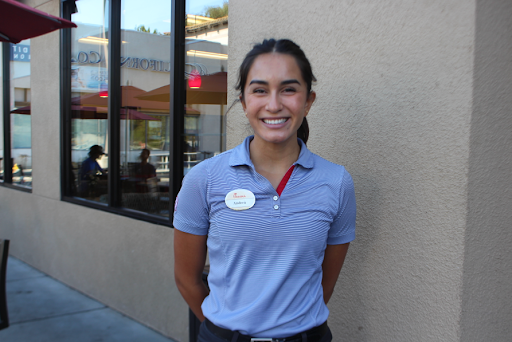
<point x="309" y="102"/>
<point x="241" y="98"/>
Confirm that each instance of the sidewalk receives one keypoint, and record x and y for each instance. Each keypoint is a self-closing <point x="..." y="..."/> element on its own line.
<point x="41" y="309"/>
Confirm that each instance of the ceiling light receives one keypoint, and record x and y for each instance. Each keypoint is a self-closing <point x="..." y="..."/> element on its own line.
<point x="206" y="54"/>
<point x="95" y="40"/>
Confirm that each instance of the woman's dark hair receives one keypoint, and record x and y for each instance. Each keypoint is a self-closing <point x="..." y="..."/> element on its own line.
<point x="95" y="151"/>
<point x="287" y="47"/>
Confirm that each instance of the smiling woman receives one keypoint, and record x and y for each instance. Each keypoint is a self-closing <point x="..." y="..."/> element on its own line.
<point x="285" y="48"/>
<point x="276" y="100"/>
<point x="297" y="227"/>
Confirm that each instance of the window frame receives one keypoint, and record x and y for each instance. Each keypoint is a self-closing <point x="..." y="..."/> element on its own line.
<point x="176" y="112"/>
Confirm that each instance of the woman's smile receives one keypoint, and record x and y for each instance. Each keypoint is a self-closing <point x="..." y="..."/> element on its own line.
<point x="274" y="121"/>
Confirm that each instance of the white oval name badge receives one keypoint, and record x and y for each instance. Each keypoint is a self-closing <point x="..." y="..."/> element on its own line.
<point x="240" y="199"/>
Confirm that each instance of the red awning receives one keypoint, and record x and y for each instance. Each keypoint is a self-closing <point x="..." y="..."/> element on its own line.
<point x="213" y="91"/>
<point x="129" y="98"/>
<point x="19" y="21"/>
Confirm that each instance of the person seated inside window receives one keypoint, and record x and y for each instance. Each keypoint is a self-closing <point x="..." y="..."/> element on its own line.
<point x="91" y="171"/>
<point x="145" y="173"/>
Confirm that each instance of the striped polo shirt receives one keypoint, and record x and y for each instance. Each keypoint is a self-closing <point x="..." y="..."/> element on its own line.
<point x="266" y="261"/>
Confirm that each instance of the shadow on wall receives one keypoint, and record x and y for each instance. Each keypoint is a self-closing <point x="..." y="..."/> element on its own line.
<point x="351" y="291"/>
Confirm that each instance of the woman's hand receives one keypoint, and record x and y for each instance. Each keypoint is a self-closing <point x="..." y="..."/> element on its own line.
<point x="189" y="261"/>
<point x="331" y="267"/>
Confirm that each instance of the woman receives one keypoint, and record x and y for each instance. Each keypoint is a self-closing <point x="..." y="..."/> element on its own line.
<point x="90" y="170"/>
<point x="276" y="219"/>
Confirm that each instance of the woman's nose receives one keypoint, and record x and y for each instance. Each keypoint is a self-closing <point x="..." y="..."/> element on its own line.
<point x="274" y="104"/>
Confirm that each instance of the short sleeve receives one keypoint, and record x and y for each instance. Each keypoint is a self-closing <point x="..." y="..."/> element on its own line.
<point x="191" y="209"/>
<point x="343" y="228"/>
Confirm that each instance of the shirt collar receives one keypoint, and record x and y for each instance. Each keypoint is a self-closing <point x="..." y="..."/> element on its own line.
<point x="241" y="155"/>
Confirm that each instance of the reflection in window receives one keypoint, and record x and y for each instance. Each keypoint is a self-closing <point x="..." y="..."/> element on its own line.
<point x="89" y="102"/>
<point x="206" y="45"/>
<point x="145" y="138"/>
<point x="144" y="127"/>
<point x="21" y="127"/>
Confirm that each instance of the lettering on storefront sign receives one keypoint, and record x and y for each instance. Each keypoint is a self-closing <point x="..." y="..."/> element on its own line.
<point x="83" y="57"/>
<point x="20" y="53"/>
<point x="94" y="57"/>
<point x="145" y="64"/>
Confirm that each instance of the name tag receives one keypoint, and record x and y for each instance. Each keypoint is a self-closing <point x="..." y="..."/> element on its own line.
<point x="240" y="199"/>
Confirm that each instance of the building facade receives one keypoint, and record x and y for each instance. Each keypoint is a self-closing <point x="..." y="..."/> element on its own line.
<point x="414" y="98"/>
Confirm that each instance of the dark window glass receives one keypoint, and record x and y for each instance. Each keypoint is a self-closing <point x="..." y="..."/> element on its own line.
<point x="144" y="127"/>
<point x="89" y="101"/>
<point x="121" y="158"/>
<point x="21" y="127"/>
<point x="206" y="48"/>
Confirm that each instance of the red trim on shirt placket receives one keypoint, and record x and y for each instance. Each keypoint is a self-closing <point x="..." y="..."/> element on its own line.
<point x="284" y="181"/>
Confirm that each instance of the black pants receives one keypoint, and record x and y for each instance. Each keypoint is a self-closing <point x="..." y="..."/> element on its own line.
<point x="206" y="335"/>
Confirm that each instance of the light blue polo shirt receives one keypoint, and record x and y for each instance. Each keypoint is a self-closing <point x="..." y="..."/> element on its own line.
<point x="266" y="262"/>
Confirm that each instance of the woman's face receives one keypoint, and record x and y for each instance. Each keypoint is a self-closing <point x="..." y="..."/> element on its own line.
<point x="276" y="99"/>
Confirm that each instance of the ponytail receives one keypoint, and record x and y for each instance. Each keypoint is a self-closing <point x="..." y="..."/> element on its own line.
<point x="303" y="131"/>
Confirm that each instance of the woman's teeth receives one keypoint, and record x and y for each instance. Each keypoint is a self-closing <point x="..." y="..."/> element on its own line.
<point x="274" y="121"/>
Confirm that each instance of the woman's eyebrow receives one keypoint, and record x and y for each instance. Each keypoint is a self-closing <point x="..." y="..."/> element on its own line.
<point x="292" y="81"/>
<point x="258" y="82"/>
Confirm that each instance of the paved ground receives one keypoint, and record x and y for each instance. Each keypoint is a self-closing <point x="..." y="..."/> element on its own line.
<point x="42" y="309"/>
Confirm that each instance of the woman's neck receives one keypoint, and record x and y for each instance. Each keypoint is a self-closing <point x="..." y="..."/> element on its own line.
<point x="273" y="160"/>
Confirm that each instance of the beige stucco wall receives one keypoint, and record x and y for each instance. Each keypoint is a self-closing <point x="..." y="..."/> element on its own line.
<point x="124" y="263"/>
<point x="45" y="109"/>
<point x="394" y="105"/>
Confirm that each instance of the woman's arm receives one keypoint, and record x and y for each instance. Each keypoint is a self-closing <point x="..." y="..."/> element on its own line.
<point x="331" y="267"/>
<point x="189" y="261"/>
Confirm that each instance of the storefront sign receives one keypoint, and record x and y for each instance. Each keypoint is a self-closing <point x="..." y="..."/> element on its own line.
<point x="20" y="53"/>
<point x="145" y="64"/>
<point x="94" y="57"/>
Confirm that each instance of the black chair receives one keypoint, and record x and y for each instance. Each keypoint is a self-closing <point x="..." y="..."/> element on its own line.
<point x="4" y="254"/>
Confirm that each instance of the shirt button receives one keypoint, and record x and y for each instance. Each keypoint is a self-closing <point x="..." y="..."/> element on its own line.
<point x="276" y="198"/>
<point x="276" y="207"/>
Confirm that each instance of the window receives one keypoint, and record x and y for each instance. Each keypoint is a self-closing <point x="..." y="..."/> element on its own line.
<point x="144" y="138"/>
<point x="16" y="142"/>
<point x="131" y="126"/>
<point x="89" y="101"/>
<point x="21" y="127"/>
<point x="206" y="54"/>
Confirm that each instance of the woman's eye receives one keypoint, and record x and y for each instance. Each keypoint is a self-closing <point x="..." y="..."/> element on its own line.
<point x="258" y="91"/>
<point x="289" y="90"/>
